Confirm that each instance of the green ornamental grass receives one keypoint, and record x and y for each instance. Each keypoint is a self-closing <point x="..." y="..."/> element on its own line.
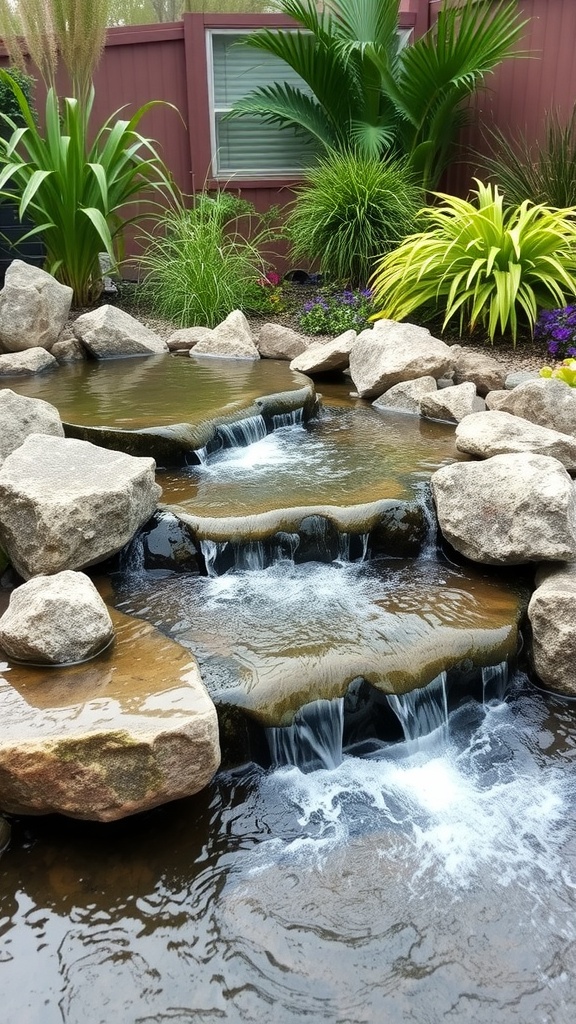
<point x="482" y="263"/>
<point x="350" y="211"/>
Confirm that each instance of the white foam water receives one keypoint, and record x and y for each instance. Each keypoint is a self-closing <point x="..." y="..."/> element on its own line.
<point x="482" y="801"/>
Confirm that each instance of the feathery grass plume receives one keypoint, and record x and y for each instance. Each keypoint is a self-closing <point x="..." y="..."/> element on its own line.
<point x="11" y="35"/>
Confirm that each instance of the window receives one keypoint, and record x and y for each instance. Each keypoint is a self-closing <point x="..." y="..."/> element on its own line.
<point x="246" y="145"/>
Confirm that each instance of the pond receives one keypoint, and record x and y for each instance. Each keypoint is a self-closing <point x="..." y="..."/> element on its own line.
<point x="378" y="857"/>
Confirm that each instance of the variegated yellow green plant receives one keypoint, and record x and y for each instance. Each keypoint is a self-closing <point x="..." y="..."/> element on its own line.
<point x="482" y="263"/>
<point x="79" y="195"/>
<point x="566" y="371"/>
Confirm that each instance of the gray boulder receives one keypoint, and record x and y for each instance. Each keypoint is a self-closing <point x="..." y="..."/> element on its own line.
<point x="391" y="353"/>
<point x="513" y="380"/>
<point x="68" y="349"/>
<point x="405" y="397"/>
<point x="56" y="620"/>
<point x="326" y="356"/>
<point x="508" y="510"/>
<point x="548" y="402"/>
<point x="187" y="337"/>
<point x="484" y="372"/>
<point x="552" y="614"/>
<point x="500" y="433"/>
<point x="109" y="332"/>
<point x="34" y="308"/>
<point x="278" y="342"/>
<point x="22" y="364"/>
<point x="494" y="399"/>
<point x="66" y="504"/>
<point x="20" y="416"/>
<point x="232" y="339"/>
<point x="453" y="403"/>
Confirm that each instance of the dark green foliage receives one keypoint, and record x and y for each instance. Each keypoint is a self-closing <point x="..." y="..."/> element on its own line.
<point x="544" y="173"/>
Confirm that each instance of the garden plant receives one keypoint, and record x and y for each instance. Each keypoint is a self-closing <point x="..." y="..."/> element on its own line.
<point x="350" y="210"/>
<point x="363" y="91"/>
<point x="200" y="266"/>
<point x="544" y="172"/>
<point x="71" y="188"/>
<point x="336" y="312"/>
<point x="482" y="263"/>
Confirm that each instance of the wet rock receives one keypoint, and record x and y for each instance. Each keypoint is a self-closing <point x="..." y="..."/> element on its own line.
<point x="500" y="433"/>
<point x="109" y="332"/>
<point x="20" y="416"/>
<point x="406" y="396"/>
<point x="483" y="371"/>
<point x="319" y="540"/>
<point x="552" y="614"/>
<point x="401" y="531"/>
<point x="165" y="542"/>
<point x="66" y="504"/>
<point x="548" y="402"/>
<point x="508" y="510"/>
<point x="34" y="308"/>
<point x="5" y="834"/>
<point x="453" y="403"/>
<point x="185" y="339"/>
<point x="327" y="356"/>
<point x="391" y="353"/>
<point x="278" y="342"/>
<point x="55" y="620"/>
<point x="22" y="364"/>
<point x="116" y="736"/>
<point x="232" y="339"/>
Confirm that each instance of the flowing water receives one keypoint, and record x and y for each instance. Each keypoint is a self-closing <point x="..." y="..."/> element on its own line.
<point x="420" y="872"/>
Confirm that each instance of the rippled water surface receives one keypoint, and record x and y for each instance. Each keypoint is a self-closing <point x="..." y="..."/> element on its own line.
<point x="398" y="888"/>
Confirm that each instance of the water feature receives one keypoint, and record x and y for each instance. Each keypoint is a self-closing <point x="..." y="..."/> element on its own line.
<point x="422" y="871"/>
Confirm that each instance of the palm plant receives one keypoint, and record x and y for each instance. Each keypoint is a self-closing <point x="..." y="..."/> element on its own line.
<point x="366" y="94"/>
<point x="483" y="263"/>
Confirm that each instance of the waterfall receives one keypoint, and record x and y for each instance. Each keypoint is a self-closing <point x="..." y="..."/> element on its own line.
<point x="314" y="740"/>
<point x="494" y="682"/>
<point x="226" y="556"/>
<point x="430" y="541"/>
<point x="353" y="547"/>
<point x="422" y="712"/>
<point x="210" y="550"/>
<point x="293" y="418"/>
<point x="233" y="435"/>
<point x="131" y="558"/>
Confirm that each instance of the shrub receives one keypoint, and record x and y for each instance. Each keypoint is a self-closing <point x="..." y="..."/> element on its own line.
<point x="482" y="263"/>
<point x="545" y="173"/>
<point x="200" y="265"/>
<point x="77" y="194"/>
<point x="8" y="103"/>
<point x="557" y="329"/>
<point x="335" y="313"/>
<point x="351" y="210"/>
<point x="566" y="371"/>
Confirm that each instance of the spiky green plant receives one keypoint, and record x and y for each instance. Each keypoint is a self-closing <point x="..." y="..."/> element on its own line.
<point x="544" y="172"/>
<point x="349" y="211"/>
<point x="78" y="196"/>
<point x="483" y="263"/>
<point x="369" y="95"/>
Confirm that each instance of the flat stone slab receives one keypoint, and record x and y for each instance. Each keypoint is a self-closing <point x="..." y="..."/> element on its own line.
<point x="500" y="433"/>
<point x="23" y="364"/>
<point x="326" y="356"/>
<point x="132" y="729"/>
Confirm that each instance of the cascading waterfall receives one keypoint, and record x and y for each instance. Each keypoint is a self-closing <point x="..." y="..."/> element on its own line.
<point x="313" y="740"/>
<point x="234" y="435"/>
<point x="294" y="418"/>
<point x="430" y="542"/>
<point x="494" y="682"/>
<point x="422" y="712"/>
<point x="353" y="547"/>
<point x="226" y="556"/>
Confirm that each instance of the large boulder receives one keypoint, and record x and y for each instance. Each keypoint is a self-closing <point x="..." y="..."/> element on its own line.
<point x="186" y="338"/>
<point x="232" y="339"/>
<point x="484" y="371"/>
<point x="392" y="352"/>
<point x="500" y="433"/>
<point x="34" y="308"/>
<point x="109" y="738"/>
<point x="453" y="403"/>
<point x="548" y="402"/>
<point x="278" y="342"/>
<point x="508" y="510"/>
<point x="109" y="332"/>
<point x="66" y="504"/>
<point x="552" y="614"/>
<point x="326" y="356"/>
<point x="406" y="397"/>
<point x="21" y="416"/>
<point x="56" y="620"/>
<point x="22" y="364"/>
<point x="494" y="399"/>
